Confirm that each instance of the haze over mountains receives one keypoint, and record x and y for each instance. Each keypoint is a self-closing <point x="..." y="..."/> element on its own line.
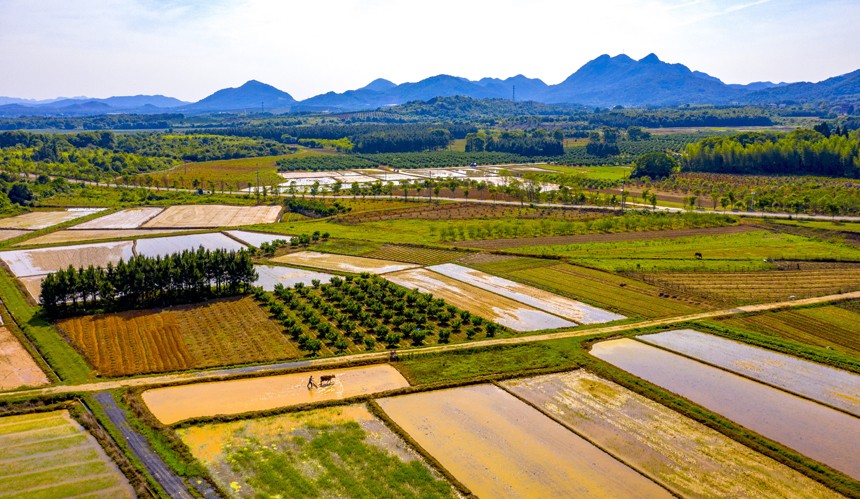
<point x="604" y="81"/>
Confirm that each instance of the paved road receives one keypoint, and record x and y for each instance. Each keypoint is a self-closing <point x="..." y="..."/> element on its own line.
<point x="172" y="484"/>
<point x="216" y="374"/>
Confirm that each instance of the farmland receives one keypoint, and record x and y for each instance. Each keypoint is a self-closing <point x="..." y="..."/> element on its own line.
<point x="42" y="219"/>
<point x="341" y="263"/>
<point x="686" y="457"/>
<point x="177" y="403"/>
<point x="827" y="385"/>
<point x="17" y="367"/>
<point x="357" y="455"/>
<point x="82" y="235"/>
<point x="829" y="326"/>
<point x="131" y="218"/>
<point x="50" y="455"/>
<point x="163" y="246"/>
<point x="191" y="216"/>
<point x="805" y="426"/>
<point x="222" y="332"/>
<point x="499" y="446"/>
<point x="42" y="261"/>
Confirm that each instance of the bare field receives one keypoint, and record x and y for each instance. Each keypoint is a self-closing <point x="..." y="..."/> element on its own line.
<point x="269" y="456"/>
<point x="816" y="431"/>
<point x="7" y="234"/>
<point x="217" y="333"/>
<point x="131" y="218"/>
<point x="835" y="387"/>
<point x="163" y="246"/>
<point x="689" y="458"/>
<point x="507" y="312"/>
<point x="33" y="285"/>
<point x="542" y="300"/>
<point x="17" y="367"/>
<point x="499" y="446"/>
<point x="49" y="454"/>
<point x="173" y="404"/>
<point x="43" y="219"/>
<point x="343" y="263"/>
<point x="77" y="236"/>
<point x="45" y="260"/>
<point x="211" y="216"/>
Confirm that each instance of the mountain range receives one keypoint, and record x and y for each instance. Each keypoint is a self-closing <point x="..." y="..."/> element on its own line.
<point x="605" y="81"/>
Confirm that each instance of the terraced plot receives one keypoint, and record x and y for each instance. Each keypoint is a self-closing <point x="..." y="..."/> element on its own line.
<point x="50" y="455"/>
<point x="222" y="332"/>
<point x="177" y="403"/>
<point x="77" y="236"/>
<point x="499" y="446"/>
<point x="418" y="255"/>
<point x="131" y="218"/>
<point x="342" y="263"/>
<point x="834" y="387"/>
<point x="829" y="326"/>
<point x="816" y="431"/>
<point x="603" y="289"/>
<point x="357" y="455"/>
<point x="688" y="458"/>
<point x="270" y="276"/>
<point x="7" y="234"/>
<point x="17" y="367"/>
<point x="256" y="238"/>
<point x="36" y="220"/>
<point x="758" y="287"/>
<point x="163" y="246"/>
<point x="564" y="307"/>
<point x="32" y="262"/>
<point x="507" y="312"/>
<point x="211" y="216"/>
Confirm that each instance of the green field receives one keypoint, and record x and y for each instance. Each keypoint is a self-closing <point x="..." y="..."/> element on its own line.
<point x="610" y="173"/>
<point x="818" y="224"/>
<point x="730" y="252"/>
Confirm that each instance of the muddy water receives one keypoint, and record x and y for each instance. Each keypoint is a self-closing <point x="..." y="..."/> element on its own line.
<point x="831" y="386"/>
<point x="270" y="276"/>
<point x="538" y="298"/>
<point x="173" y="404"/>
<point x="499" y="446"/>
<point x="814" y="430"/>
<point x="689" y="458"/>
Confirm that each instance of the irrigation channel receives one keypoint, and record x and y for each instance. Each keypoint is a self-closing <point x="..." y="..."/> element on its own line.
<point x="221" y="374"/>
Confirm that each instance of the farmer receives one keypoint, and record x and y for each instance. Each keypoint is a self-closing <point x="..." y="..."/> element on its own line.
<point x="393" y="356"/>
<point x="311" y="383"/>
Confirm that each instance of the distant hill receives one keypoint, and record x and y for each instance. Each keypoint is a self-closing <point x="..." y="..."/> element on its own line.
<point x="605" y="81"/>
<point x="253" y="95"/>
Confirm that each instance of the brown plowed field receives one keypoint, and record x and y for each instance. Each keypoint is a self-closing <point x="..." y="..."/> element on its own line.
<point x="81" y="235"/>
<point x="17" y="368"/>
<point x="413" y="254"/>
<point x="222" y="332"/>
<point x="203" y="216"/>
<point x="604" y="238"/>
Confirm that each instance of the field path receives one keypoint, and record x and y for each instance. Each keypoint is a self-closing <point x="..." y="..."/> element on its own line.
<point x="219" y="374"/>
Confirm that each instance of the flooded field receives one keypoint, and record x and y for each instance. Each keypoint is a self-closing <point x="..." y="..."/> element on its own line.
<point x="818" y="432"/>
<point x="45" y="260"/>
<point x="49" y="454"/>
<point x="163" y="246"/>
<point x="689" y="458"/>
<point x="17" y="367"/>
<point x="343" y="263"/>
<point x="835" y="387"/>
<point x="36" y="220"/>
<point x="256" y="238"/>
<point x="130" y="218"/>
<point x="174" y="404"/>
<point x="211" y="216"/>
<point x="499" y="446"/>
<point x="507" y="312"/>
<point x="340" y="451"/>
<point x="288" y="276"/>
<point x="538" y="298"/>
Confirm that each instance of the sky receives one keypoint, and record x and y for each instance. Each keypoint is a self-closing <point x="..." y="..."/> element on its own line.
<point x="189" y="49"/>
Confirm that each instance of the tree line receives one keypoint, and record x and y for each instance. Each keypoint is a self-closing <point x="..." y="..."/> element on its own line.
<point x="141" y="282"/>
<point x="801" y="152"/>
<point x="536" y="143"/>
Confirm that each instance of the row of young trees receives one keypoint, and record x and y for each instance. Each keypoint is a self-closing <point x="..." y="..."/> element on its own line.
<point x="142" y="282"/>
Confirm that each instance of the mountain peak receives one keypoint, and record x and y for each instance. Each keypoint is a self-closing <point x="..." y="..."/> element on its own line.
<point x="379" y="85"/>
<point x="650" y="59"/>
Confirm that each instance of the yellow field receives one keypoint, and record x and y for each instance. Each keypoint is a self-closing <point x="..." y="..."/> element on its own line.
<point x="210" y="216"/>
<point x="222" y="332"/>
